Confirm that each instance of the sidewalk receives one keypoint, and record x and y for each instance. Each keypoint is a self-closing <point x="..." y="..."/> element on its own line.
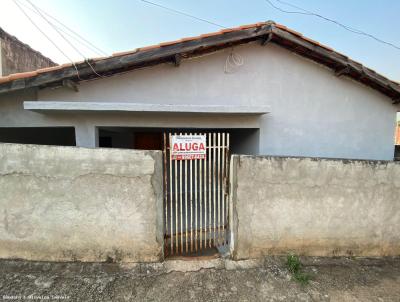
<point x="339" y="279"/>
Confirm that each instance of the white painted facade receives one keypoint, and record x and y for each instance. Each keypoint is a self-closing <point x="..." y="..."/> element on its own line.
<point x="311" y="112"/>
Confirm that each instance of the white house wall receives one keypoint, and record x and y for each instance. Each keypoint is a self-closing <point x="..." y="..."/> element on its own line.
<point x="312" y="112"/>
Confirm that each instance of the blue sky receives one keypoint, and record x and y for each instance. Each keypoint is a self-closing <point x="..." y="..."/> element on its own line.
<point x="120" y="25"/>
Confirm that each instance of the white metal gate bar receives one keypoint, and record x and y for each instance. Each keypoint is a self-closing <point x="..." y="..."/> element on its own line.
<point x="195" y="197"/>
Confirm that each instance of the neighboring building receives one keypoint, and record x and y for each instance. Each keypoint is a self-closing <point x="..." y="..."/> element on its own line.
<point x="16" y="56"/>
<point x="291" y="96"/>
<point x="397" y="142"/>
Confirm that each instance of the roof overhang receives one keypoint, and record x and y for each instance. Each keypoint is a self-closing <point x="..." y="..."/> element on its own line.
<point x="50" y="106"/>
<point x="173" y="52"/>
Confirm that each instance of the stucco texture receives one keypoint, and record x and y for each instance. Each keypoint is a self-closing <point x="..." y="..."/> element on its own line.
<point x="317" y="207"/>
<point x="68" y="203"/>
<point x="312" y="112"/>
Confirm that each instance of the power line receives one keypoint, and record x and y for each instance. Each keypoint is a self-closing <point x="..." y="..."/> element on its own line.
<point x="47" y="37"/>
<point x="182" y="13"/>
<point x="56" y="29"/>
<point x="88" y="46"/>
<point x="76" y="36"/>
<point x="65" y="39"/>
<point x="309" y="13"/>
<point x="74" y="32"/>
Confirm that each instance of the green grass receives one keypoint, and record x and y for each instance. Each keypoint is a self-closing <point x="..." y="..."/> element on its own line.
<point x="295" y="268"/>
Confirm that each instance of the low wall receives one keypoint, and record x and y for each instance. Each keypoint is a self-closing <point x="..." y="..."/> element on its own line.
<point x="320" y="207"/>
<point x="68" y="203"/>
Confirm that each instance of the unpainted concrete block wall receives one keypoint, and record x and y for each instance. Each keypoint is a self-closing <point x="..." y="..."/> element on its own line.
<point x="69" y="203"/>
<point x="16" y="56"/>
<point x="311" y="206"/>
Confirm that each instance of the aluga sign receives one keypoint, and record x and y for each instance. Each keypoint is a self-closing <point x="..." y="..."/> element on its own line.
<point x="188" y="147"/>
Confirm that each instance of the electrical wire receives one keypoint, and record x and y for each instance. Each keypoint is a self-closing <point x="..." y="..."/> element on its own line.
<point x="233" y="61"/>
<point x="78" y="38"/>
<point x="309" y="13"/>
<point x="182" y="13"/>
<point x="65" y="39"/>
<point x="94" y="71"/>
<point x="74" y="32"/>
<point x="56" y="29"/>
<point x="47" y="37"/>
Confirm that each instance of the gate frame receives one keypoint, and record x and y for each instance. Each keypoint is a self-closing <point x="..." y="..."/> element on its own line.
<point x="217" y="149"/>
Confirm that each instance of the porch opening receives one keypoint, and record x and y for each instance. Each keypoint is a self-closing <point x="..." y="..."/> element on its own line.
<point x="242" y="140"/>
<point x="59" y="136"/>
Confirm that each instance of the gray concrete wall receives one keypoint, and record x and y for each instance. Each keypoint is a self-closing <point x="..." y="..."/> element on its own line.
<point x="318" y="207"/>
<point x="313" y="112"/>
<point x="68" y="203"/>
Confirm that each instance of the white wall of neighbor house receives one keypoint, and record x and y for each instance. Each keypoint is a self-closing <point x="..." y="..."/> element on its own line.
<point x="312" y="112"/>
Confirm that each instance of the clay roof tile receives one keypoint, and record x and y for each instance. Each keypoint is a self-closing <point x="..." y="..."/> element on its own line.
<point x="4" y="79"/>
<point x="22" y="75"/>
<point x="216" y="33"/>
<point x="47" y="69"/>
<point x="189" y="39"/>
<point x="227" y="30"/>
<point x="148" y="47"/>
<point x="122" y="53"/>
<point x="169" y="43"/>
<point x="163" y="44"/>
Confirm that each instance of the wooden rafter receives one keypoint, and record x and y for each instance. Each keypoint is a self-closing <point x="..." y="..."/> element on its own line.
<point x="342" y="71"/>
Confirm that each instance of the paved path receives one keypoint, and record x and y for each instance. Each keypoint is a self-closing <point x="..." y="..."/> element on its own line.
<point x="339" y="279"/>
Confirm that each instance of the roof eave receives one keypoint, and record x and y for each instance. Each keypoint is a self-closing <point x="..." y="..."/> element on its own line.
<point x="130" y="61"/>
<point x="187" y="48"/>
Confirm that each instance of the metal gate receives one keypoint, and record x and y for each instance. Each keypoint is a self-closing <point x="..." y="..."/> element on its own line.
<point x="196" y="196"/>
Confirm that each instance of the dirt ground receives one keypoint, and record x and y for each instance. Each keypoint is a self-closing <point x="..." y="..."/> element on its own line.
<point x="334" y="279"/>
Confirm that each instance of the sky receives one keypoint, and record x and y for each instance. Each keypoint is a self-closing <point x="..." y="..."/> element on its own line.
<point x="120" y="25"/>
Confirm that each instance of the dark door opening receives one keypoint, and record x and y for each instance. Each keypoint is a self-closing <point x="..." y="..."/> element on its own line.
<point x="148" y="141"/>
<point x="58" y="136"/>
<point x="243" y="140"/>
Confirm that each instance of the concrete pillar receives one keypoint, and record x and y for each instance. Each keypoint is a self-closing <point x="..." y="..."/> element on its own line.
<point x="86" y="136"/>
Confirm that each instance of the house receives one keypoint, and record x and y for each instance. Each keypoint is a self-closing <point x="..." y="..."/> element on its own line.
<point x="16" y="56"/>
<point x="274" y="90"/>
<point x="260" y="89"/>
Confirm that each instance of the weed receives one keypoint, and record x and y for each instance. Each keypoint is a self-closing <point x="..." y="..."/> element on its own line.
<point x="293" y="263"/>
<point x="295" y="268"/>
<point x="302" y="278"/>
